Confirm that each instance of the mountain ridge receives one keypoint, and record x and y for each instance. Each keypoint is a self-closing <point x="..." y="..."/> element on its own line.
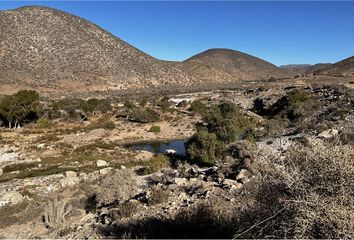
<point x="51" y="50"/>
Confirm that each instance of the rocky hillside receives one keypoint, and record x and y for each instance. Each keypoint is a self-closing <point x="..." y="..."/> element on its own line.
<point x="341" y="68"/>
<point x="217" y="65"/>
<point x="304" y="69"/>
<point x="47" y="49"/>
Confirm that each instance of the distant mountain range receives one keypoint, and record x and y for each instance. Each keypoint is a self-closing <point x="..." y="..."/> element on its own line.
<point x="53" y="51"/>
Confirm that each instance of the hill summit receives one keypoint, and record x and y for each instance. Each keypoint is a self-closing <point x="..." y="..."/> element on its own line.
<point x="44" y="48"/>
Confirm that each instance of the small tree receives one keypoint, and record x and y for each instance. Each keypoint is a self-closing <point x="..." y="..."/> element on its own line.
<point x="20" y="107"/>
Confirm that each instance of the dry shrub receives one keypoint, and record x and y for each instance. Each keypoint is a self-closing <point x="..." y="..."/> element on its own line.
<point x="125" y="210"/>
<point x="201" y="220"/>
<point x="55" y="213"/>
<point x="321" y="179"/>
<point x="158" y="195"/>
<point x="308" y="195"/>
<point x="116" y="188"/>
<point x="21" y="213"/>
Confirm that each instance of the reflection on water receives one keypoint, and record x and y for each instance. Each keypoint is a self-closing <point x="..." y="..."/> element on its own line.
<point x="160" y="147"/>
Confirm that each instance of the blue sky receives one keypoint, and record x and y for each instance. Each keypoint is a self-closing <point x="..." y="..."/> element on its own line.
<point x="279" y="32"/>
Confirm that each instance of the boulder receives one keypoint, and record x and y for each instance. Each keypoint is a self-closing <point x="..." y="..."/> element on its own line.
<point x="101" y="163"/>
<point x="70" y="174"/>
<point x="330" y="133"/>
<point x="11" y="197"/>
<point x="105" y="171"/>
<point x="144" y="155"/>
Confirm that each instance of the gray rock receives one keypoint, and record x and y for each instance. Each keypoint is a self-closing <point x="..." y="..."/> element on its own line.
<point x="144" y="155"/>
<point x="69" y="181"/>
<point x="11" y="197"/>
<point x="105" y="171"/>
<point x="330" y="133"/>
<point x="40" y="146"/>
<point x="70" y="174"/>
<point x="101" y="163"/>
<point x="230" y="182"/>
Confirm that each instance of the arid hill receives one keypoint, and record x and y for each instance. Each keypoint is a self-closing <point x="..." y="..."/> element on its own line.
<point x="47" y="49"/>
<point x="341" y="68"/>
<point x="304" y="69"/>
<point x="216" y="65"/>
<point x="53" y="51"/>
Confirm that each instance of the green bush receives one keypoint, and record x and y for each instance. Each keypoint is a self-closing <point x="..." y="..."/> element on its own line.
<point x="164" y="104"/>
<point x="298" y="97"/>
<point x="143" y="115"/>
<point x="93" y="104"/>
<point x="143" y="102"/>
<point x="44" y="123"/>
<point x="110" y="125"/>
<point x="70" y="107"/>
<point x="224" y="124"/>
<point x="226" y="121"/>
<point x="155" y="129"/>
<point x="128" y="104"/>
<point x="204" y="148"/>
<point x="157" y="163"/>
<point x="198" y="107"/>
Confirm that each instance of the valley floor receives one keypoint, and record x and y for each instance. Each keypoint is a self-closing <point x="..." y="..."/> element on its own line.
<point x="78" y="180"/>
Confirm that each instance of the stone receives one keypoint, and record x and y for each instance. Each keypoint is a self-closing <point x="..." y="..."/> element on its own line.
<point x="180" y="181"/>
<point x="101" y="163"/>
<point x="170" y="151"/>
<point x="69" y="182"/>
<point x="144" y="155"/>
<point x="70" y="174"/>
<point x="244" y="176"/>
<point x="40" y="146"/>
<point x="83" y="175"/>
<point x="105" y="171"/>
<point x="1" y="172"/>
<point x="330" y="133"/>
<point x="11" y="197"/>
<point x="230" y="182"/>
<point x="123" y="167"/>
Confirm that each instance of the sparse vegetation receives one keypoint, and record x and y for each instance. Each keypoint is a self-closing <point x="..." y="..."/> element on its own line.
<point x="156" y="163"/>
<point x="44" y="123"/>
<point x="144" y="115"/>
<point x="55" y="213"/>
<point x="155" y="129"/>
<point x="157" y="195"/>
<point x="198" y="107"/>
<point x="93" y="104"/>
<point x="109" y="125"/>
